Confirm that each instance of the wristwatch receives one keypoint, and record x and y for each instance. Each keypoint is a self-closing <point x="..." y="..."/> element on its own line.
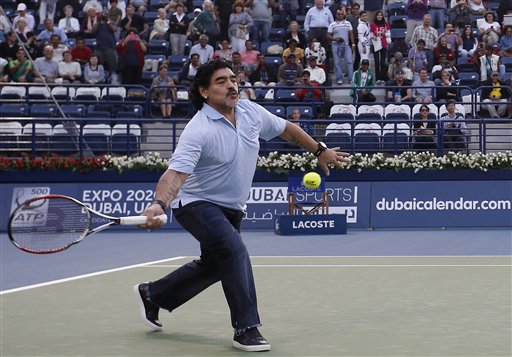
<point x="321" y="148"/>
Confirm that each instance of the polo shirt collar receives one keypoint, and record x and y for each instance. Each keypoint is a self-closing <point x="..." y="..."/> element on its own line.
<point x="213" y="114"/>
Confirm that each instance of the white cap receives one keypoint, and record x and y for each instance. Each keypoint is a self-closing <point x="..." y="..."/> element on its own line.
<point x="197" y="9"/>
<point x="21" y="7"/>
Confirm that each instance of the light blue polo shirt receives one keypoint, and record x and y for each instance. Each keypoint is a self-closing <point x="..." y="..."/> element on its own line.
<point x="221" y="159"/>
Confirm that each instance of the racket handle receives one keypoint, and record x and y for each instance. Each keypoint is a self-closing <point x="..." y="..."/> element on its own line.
<point x="136" y="220"/>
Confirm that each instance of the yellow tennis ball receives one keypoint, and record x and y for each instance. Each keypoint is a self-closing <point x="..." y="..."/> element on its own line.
<point x="311" y="180"/>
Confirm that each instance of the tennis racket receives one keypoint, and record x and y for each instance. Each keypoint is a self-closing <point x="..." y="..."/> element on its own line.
<point x="53" y="223"/>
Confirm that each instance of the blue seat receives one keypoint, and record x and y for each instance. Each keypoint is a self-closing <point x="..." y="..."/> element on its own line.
<point x="398" y="33"/>
<point x="369" y="117"/>
<point x="396" y="142"/>
<point x="277" y="35"/>
<point x="74" y="110"/>
<point x="13" y="110"/>
<point x="158" y="47"/>
<point x="133" y="111"/>
<point x="398" y="8"/>
<point x="278" y="110"/>
<point x="43" y="110"/>
<point x="150" y="16"/>
<point x="275" y="61"/>
<point x="63" y="144"/>
<point x="341" y="140"/>
<point x="367" y="142"/>
<point x="398" y="117"/>
<point x="342" y="116"/>
<point x="398" y="21"/>
<point x="159" y="58"/>
<point x="176" y="62"/>
<point x="285" y="95"/>
<point x="147" y="78"/>
<point x="125" y="139"/>
<point x="306" y="111"/>
<point x="96" y="111"/>
<point x="470" y="79"/>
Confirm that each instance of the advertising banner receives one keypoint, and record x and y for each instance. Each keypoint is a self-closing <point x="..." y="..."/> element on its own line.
<point x="441" y="204"/>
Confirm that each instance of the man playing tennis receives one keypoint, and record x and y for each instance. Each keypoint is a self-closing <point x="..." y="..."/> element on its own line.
<point x="207" y="185"/>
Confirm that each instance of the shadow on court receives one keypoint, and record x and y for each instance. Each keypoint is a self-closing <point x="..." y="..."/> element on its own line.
<point x="310" y="306"/>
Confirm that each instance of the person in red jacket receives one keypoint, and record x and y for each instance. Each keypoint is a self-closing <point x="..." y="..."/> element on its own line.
<point x="307" y="90"/>
<point x="131" y="51"/>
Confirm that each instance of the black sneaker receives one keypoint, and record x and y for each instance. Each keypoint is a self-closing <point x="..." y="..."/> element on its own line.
<point x="148" y="310"/>
<point x="250" y="340"/>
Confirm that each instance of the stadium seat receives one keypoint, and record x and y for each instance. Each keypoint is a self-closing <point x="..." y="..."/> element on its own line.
<point x="367" y="137"/>
<point x="74" y="110"/>
<point x="275" y="61"/>
<point x="339" y="135"/>
<point x="285" y="95"/>
<point x="87" y="95"/>
<point x="150" y="16"/>
<point x="9" y="134"/>
<point x="35" y="138"/>
<point x="266" y="44"/>
<point x="99" y="111"/>
<point x="62" y="143"/>
<point x="38" y="93"/>
<point x="369" y="117"/>
<point x="470" y="79"/>
<point x="176" y="62"/>
<point x="395" y="139"/>
<point x="278" y="110"/>
<point x="395" y="108"/>
<point x="13" y="110"/>
<point x="277" y="35"/>
<point x="97" y="136"/>
<point x="12" y="93"/>
<point x="113" y="94"/>
<point x="398" y="21"/>
<point x="43" y="110"/>
<point x="158" y="47"/>
<point x="125" y="139"/>
<point x="132" y="111"/>
<point x="63" y="94"/>
<point x="397" y="34"/>
<point x="397" y="8"/>
<point x="398" y="117"/>
<point x="343" y="111"/>
<point x="147" y="78"/>
<point x="306" y="111"/>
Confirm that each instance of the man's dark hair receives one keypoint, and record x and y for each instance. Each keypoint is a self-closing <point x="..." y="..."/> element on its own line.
<point x="203" y="77"/>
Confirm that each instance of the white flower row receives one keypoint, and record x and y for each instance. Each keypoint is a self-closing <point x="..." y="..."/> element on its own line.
<point x="282" y="163"/>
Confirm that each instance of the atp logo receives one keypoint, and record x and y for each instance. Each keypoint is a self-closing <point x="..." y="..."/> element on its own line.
<point x="33" y="215"/>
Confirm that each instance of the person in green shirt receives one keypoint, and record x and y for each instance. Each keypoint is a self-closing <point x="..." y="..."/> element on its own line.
<point x="22" y="70"/>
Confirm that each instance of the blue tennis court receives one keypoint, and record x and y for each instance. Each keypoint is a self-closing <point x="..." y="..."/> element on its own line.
<point x="367" y="293"/>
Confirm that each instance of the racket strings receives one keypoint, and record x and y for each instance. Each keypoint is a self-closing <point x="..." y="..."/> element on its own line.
<point x="51" y="226"/>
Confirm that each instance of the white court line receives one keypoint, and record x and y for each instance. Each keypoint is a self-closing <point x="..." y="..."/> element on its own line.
<point x="84" y="276"/>
<point x="354" y="265"/>
<point x="156" y="262"/>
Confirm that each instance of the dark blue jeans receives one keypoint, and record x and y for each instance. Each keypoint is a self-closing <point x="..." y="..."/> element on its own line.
<point x="224" y="258"/>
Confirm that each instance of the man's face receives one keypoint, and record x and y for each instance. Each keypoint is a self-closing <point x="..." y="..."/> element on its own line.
<point x="495" y="78"/>
<point x="130" y="10"/>
<point x="340" y="15"/>
<point x="236" y="58"/>
<point x="194" y="60"/>
<point x="292" y="59"/>
<point x="68" y="12"/>
<point x="400" y="76"/>
<point x="48" y="24"/>
<point x="450" y="108"/>
<point x="203" y="41"/>
<point x="427" y="20"/>
<point x="48" y="53"/>
<point x="80" y="44"/>
<point x="355" y="10"/>
<point x="305" y="78"/>
<point x="223" y="89"/>
<point x="423" y="75"/>
<point x="55" y="41"/>
<point x="249" y="46"/>
<point x="364" y="67"/>
<point x="319" y="3"/>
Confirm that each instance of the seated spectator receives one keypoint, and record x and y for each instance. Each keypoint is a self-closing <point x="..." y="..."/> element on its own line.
<point x="445" y="89"/>
<point x="396" y="64"/>
<point x="295" y="117"/>
<point x="134" y="20"/>
<point x="399" y="90"/>
<point x="163" y="91"/>
<point x="452" y="37"/>
<point x="307" y="91"/>
<point x="295" y="34"/>
<point x="443" y="50"/>
<point x="70" y="70"/>
<point x="23" y="13"/>
<point x="424" y="130"/>
<point x="161" y="26"/>
<point x="58" y="48"/>
<point x="423" y="87"/>
<point x="249" y="56"/>
<point x="4" y="70"/>
<point x="34" y="46"/>
<point x="244" y="85"/>
<point x="224" y="51"/>
<point x="94" y="4"/>
<point x="297" y="51"/>
<point x="489" y="63"/>
<point x="22" y="29"/>
<point x="140" y="5"/>
<point x="490" y="29"/>
<point x="8" y="48"/>
<point x="203" y="49"/>
<point x="496" y="99"/>
<point x="94" y="72"/>
<point x="469" y="42"/>
<point x="238" y="65"/>
<point x="21" y="69"/>
<point x="315" y="49"/>
<point x="89" y="23"/>
<point x="505" y="44"/>
<point x="477" y="7"/>
<point x="289" y="73"/>
<point x="81" y="53"/>
<point x="445" y="65"/>
<point x="417" y="58"/>
<point x="69" y="24"/>
<point x="188" y="71"/>
<point x="317" y="73"/>
<point x="46" y="68"/>
<point x="50" y="31"/>
<point x="454" y="128"/>
<point x="263" y="74"/>
<point x="363" y="81"/>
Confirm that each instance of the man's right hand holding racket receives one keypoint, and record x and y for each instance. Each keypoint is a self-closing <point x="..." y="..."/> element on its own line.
<point x="166" y="190"/>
